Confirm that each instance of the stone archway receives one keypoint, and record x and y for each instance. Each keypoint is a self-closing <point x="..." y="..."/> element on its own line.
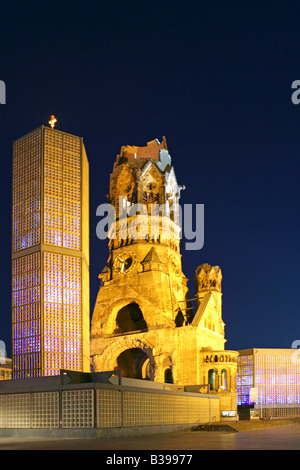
<point x="133" y="364"/>
<point x="123" y="311"/>
<point x="130" y="318"/>
<point x="133" y="356"/>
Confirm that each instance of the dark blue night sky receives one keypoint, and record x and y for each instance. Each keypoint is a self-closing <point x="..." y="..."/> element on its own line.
<point x="215" y="79"/>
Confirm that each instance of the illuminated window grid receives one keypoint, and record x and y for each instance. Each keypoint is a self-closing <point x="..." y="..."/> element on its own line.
<point x="109" y="409"/>
<point x="48" y="177"/>
<point x="277" y="379"/>
<point x="280" y="411"/>
<point x="26" y="365"/>
<point x="78" y="409"/>
<point x="244" y="379"/>
<point x="26" y="315"/>
<point x="26" y="192"/>
<point x="62" y="190"/>
<point x="62" y="313"/>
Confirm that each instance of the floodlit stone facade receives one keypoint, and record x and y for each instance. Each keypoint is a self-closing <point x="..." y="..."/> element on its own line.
<point x="143" y="321"/>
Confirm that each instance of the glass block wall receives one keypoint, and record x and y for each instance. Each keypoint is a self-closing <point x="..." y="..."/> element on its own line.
<point x="26" y="315"/>
<point x="26" y="192"/>
<point x="278" y="379"/>
<point x="62" y="313"/>
<point x="29" y="410"/>
<point x="103" y="407"/>
<point x="244" y="379"/>
<point x="163" y="409"/>
<point x="50" y="254"/>
<point x="62" y="190"/>
<point x="78" y="409"/>
<point x="275" y="376"/>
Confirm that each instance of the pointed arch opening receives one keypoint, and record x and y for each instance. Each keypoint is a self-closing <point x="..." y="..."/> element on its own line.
<point x="224" y="379"/>
<point x="179" y="319"/>
<point x="134" y="364"/>
<point x="212" y="379"/>
<point x="130" y="318"/>
<point x="169" y="376"/>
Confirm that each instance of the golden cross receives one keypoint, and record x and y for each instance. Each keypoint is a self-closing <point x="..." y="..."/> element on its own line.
<point x="52" y="121"/>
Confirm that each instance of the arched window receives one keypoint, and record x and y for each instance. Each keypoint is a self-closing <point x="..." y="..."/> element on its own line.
<point x="134" y="364"/>
<point x="224" y="379"/>
<point x="179" y="320"/>
<point x="212" y="379"/>
<point x="130" y="318"/>
<point x="168" y="376"/>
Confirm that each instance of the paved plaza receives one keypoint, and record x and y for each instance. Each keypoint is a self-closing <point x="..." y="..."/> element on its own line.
<point x="274" y="438"/>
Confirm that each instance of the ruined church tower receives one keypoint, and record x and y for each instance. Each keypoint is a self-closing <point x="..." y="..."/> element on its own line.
<point x="143" y="323"/>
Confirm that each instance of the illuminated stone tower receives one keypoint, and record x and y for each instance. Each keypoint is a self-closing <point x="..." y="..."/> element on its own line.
<point x="50" y="254"/>
<point x="143" y="323"/>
